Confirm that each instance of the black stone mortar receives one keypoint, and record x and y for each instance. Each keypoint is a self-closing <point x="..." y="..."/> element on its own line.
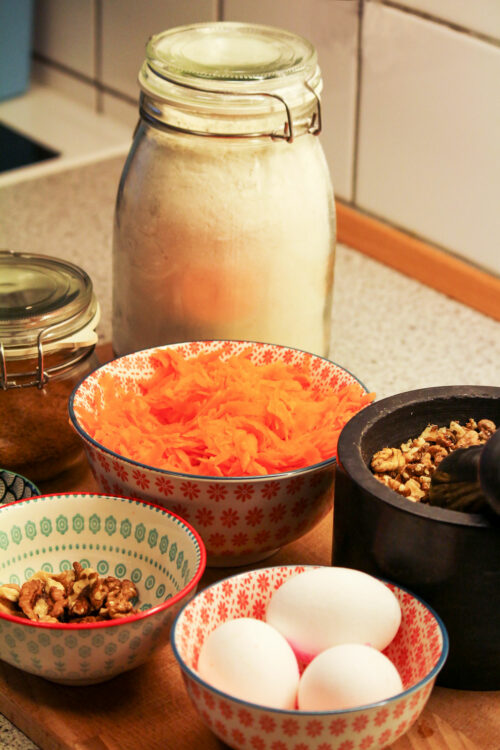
<point x="448" y="558"/>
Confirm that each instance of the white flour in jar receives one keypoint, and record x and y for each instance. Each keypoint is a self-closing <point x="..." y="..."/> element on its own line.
<point x="223" y="239"/>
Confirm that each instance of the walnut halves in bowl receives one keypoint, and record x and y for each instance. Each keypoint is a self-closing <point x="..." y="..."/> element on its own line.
<point x="409" y="468"/>
<point x="75" y="595"/>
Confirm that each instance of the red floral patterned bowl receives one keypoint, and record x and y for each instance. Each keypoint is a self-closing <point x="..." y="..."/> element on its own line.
<point x="418" y="651"/>
<point x="240" y="519"/>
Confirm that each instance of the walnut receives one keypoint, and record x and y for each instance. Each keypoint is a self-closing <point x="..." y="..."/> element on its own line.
<point x="88" y="594"/>
<point x="79" y="605"/>
<point x="77" y="595"/>
<point x="59" y="600"/>
<point x="30" y="592"/>
<point x="41" y="598"/>
<point x="431" y="433"/>
<point x="470" y="437"/>
<point x="41" y="610"/>
<point x="425" y="483"/>
<point x="67" y="579"/>
<point x="416" y="453"/>
<point x="414" y="447"/>
<point x="388" y="459"/>
<point x="118" y="602"/>
<point x="9" y="596"/>
<point x="413" y="491"/>
<point x="97" y="594"/>
<point x="416" y="470"/>
<point x="457" y="429"/>
<point x="437" y="453"/>
<point x="34" y="602"/>
<point x="446" y="439"/>
<point x="79" y="599"/>
<point x="408" y="469"/>
<point x="486" y="428"/>
<point x="48" y="580"/>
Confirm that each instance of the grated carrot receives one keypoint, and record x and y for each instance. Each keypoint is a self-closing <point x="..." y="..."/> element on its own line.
<point x="211" y="417"/>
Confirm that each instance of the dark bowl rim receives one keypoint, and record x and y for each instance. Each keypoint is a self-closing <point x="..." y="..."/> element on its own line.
<point x="192" y="585"/>
<point x="202" y="477"/>
<point x="293" y="712"/>
<point x="359" y="472"/>
<point x="28" y="481"/>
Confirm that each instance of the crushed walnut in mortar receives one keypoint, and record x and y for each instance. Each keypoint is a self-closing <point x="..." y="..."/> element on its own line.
<point x="73" y="596"/>
<point x="409" y="468"/>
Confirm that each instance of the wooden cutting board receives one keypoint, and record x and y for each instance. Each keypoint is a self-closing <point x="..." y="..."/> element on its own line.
<point x="149" y="709"/>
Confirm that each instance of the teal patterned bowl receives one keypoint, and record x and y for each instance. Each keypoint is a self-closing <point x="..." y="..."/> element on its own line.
<point x="162" y="554"/>
<point x="15" y="487"/>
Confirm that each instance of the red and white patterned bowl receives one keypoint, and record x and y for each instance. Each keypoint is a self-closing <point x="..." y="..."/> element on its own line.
<point x="240" y="519"/>
<point x="418" y="651"/>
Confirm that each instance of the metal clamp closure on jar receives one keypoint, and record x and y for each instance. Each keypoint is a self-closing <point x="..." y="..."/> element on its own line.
<point x="47" y="310"/>
<point x="288" y="133"/>
<point x="81" y="349"/>
<point x="235" y="96"/>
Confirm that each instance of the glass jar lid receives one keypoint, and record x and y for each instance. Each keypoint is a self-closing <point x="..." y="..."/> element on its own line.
<point x="233" y="73"/>
<point x="227" y="52"/>
<point x="44" y="299"/>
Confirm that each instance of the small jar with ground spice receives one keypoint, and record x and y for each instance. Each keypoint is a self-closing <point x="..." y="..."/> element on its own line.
<point x="48" y="316"/>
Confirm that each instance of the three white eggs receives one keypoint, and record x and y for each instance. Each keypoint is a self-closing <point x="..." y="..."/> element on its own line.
<point x="334" y="621"/>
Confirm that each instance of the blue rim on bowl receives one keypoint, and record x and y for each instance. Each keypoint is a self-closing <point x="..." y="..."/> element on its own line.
<point x="202" y="477"/>
<point x="191" y="673"/>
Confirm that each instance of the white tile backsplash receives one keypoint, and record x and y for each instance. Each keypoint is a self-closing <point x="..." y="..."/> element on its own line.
<point x="122" y="111"/>
<point x="63" y="32"/>
<point x="429" y="151"/>
<point x="482" y="16"/>
<point x="332" y="27"/>
<point x="424" y="153"/>
<point x="67" y="84"/>
<point x="126" y="28"/>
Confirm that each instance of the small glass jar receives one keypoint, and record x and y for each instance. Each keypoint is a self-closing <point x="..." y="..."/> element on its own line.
<point x="48" y="316"/>
<point x="225" y="218"/>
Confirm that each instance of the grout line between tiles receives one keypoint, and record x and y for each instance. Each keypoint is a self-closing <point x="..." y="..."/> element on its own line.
<point x="97" y="40"/>
<point x="103" y="88"/>
<point x="357" y="105"/>
<point x="442" y="22"/>
<point x="219" y="10"/>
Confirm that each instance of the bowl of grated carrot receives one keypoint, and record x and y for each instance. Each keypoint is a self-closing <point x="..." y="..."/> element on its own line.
<point x="239" y="438"/>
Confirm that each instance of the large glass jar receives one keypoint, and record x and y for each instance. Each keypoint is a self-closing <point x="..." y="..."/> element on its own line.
<point x="225" y="219"/>
<point x="48" y="316"/>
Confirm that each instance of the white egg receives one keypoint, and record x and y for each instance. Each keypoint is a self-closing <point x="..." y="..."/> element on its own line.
<point x="325" y="607"/>
<point x="250" y="660"/>
<point x="347" y="676"/>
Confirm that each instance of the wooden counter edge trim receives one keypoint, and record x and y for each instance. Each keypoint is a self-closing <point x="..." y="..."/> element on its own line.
<point x="415" y="258"/>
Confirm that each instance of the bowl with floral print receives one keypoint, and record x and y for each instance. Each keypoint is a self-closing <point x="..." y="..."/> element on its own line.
<point x="116" y="536"/>
<point x="418" y="651"/>
<point x="241" y="519"/>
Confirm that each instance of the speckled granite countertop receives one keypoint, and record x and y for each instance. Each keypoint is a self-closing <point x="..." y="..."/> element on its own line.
<point x="394" y="333"/>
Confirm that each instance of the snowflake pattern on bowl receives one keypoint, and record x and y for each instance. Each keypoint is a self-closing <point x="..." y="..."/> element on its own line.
<point x="418" y="652"/>
<point x="241" y="520"/>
